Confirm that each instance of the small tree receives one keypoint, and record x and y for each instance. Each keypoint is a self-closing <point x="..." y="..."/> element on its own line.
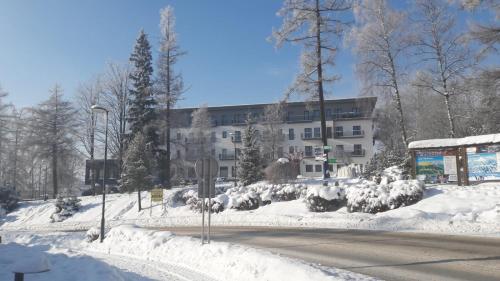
<point x="249" y="163"/>
<point x="137" y="167"/>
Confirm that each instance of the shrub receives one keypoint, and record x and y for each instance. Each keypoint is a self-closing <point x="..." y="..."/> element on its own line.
<point x="65" y="208"/>
<point x="244" y="200"/>
<point x="92" y="234"/>
<point x="285" y="193"/>
<point x="325" y="198"/>
<point x="8" y="199"/>
<point x="368" y="197"/>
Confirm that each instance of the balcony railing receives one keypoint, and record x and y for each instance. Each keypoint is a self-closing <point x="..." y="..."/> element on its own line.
<point x="339" y="153"/>
<point x="310" y="137"/>
<point x="349" y="134"/>
<point x="226" y="156"/>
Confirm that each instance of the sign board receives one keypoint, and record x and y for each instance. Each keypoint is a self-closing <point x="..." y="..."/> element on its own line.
<point x="332" y="160"/>
<point x="157" y="195"/>
<point x="206" y="169"/>
<point x="483" y="162"/>
<point x="327" y="147"/>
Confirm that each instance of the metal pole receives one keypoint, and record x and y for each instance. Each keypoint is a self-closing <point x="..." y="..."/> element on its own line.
<point x="202" y="179"/>
<point x="209" y="185"/>
<point x="235" y="163"/>
<point x="45" y="185"/>
<point x="104" y="177"/>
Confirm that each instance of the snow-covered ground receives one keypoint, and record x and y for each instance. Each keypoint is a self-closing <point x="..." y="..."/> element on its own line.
<point x="132" y="253"/>
<point x="450" y="209"/>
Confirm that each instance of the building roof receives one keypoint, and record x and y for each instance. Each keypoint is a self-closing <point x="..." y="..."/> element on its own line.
<point x="455" y="142"/>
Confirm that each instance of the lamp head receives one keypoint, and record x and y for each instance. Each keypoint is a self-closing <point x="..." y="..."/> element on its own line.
<point x="97" y="108"/>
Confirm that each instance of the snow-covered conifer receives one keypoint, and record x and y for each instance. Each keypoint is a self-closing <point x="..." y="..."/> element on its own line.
<point x="250" y="162"/>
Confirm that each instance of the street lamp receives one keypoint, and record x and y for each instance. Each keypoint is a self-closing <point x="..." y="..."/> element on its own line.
<point x="233" y="139"/>
<point x="95" y="108"/>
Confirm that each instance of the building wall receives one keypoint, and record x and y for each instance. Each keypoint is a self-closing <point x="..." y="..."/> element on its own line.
<point x="183" y="152"/>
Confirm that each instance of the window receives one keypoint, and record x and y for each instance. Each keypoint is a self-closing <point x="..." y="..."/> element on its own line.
<point x="224" y="152"/>
<point x="330" y="168"/>
<point x="212" y="152"/>
<point x="309" y="168"/>
<point x="317" y="133"/>
<point x="212" y="136"/>
<point x="224" y="134"/>
<point x="329" y="133"/>
<point x="237" y="136"/>
<point x="306" y="115"/>
<point x="179" y="136"/>
<point x="339" y="131"/>
<point x="307" y="133"/>
<point x="237" y="151"/>
<point x="316" y="114"/>
<point x="291" y="150"/>
<point x="358" y="150"/>
<point x="280" y="152"/>
<point x="178" y="154"/>
<point x="308" y="150"/>
<point x="317" y="168"/>
<point x="339" y="147"/>
<point x="224" y="172"/>
<point x="291" y="134"/>
<point x="328" y="113"/>
<point x="356" y="131"/>
<point x="223" y="119"/>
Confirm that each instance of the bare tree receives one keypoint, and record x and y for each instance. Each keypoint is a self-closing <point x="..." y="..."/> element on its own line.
<point x="318" y="25"/>
<point x="115" y="97"/>
<point x="169" y="83"/>
<point x="442" y="50"/>
<point x="273" y="133"/>
<point x="488" y="35"/>
<point x="88" y="94"/>
<point x="200" y="131"/>
<point x="52" y="130"/>
<point x="381" y="37"/>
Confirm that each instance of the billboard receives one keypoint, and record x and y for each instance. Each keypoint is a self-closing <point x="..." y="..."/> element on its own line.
<point x="483" y="162"/>
<point x="436" y="165"/>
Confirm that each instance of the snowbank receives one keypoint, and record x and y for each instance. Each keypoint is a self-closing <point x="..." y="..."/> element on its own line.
<point x="437" y="143"/>
<point x="448" y="209"/>
<point x="221" y="261"/>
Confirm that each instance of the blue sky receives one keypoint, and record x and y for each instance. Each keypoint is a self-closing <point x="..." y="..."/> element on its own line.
<point x="229" y="60"/>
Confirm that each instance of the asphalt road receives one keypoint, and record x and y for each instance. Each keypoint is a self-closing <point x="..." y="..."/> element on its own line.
<point x="386" y="255"/>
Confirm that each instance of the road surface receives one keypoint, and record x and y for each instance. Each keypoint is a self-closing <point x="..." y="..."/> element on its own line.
<point x="386" y="255"/>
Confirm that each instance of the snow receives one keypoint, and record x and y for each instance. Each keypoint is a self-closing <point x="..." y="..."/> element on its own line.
<point x="449" y="209"/>
<point x="133" y="253"/>
<point x="471" y="140"/>
<point x="326" y="192"/>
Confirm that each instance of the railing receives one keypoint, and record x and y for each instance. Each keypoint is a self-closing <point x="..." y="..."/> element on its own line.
<point x="310" y="137"/>
<point x="338" y="153"/>
<point x="349" y="134"/>
<point x="226" y="156"/>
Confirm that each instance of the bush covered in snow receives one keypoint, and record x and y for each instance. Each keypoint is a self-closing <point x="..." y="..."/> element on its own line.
<point x="243" y="198"/>
<point x="8" y="199"/>
<point x="369" y="197"/>
<point x="325" y="198"/>
<point x="286" y="192"/>
<point x="92" y="234"/>
<point x="65" y="208"/>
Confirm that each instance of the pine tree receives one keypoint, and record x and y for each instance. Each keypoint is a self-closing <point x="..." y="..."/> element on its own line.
<point x="137" y="166"/>
<point x="249" y="163"/>
<point x="142" y="103"/>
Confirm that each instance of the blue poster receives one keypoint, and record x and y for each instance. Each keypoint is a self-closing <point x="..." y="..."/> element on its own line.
<point x="483" y="164"/>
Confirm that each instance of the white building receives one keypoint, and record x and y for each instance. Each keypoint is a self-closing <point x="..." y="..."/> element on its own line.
<point x="349" y="133"/>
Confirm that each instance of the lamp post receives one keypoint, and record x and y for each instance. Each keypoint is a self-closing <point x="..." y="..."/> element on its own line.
<point x="233" y="139"/>
<point x="96" y="108"/>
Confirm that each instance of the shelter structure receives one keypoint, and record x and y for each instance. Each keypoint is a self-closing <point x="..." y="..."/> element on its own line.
<point x="461" y="160"/>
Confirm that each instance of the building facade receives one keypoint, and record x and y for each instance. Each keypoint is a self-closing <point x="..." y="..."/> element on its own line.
<point x="349" y="133"/>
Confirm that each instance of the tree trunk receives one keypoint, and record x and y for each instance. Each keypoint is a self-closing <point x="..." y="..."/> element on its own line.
<point x="450" y="118"/>
<point x="326" y="174"/>
<point x="167" y="157"/>
<point x="92" y="167"/>
<point x="139" y="198"/>
<point x="54" y="171"/>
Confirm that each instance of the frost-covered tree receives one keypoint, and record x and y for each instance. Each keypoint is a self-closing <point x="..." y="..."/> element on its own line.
<point x="115" y="98"/>
<point x="487" y="34"/>
<point x="250" y="162"/>
<point x="200" y="132"/>
<point x="318" y="25"/>
<point x="5" y="120"/>
<point x="273" y="137"/>
<point x="441" y="48"/>
<point x="381" y="37"/>
<point x="137" y="167"/>
<point x="169" y="84"/>
<point x="52" y="130"/>
<point x="142" y="102"/>
<point x="87" y="95"/>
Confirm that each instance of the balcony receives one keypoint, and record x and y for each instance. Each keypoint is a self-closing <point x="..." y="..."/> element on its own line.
<point x="349" y="134"/>
<point x="223" y="157"/>
<point x="309" y="137"/>
<point x="358" y="153"/>
<point x="339" y="153"/>
<point x="298" y="119"/>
